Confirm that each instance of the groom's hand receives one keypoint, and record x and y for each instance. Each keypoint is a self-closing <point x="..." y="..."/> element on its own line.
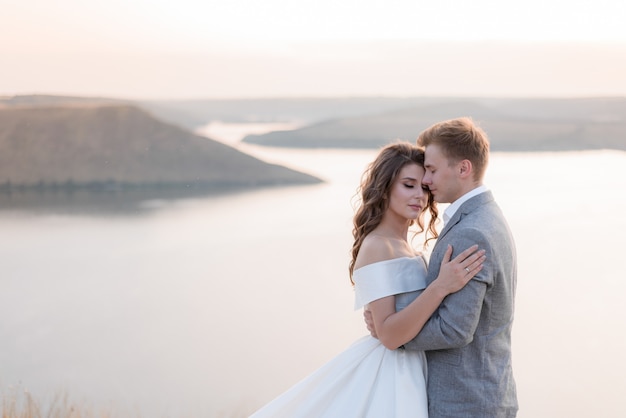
<point x="369" y="322"/>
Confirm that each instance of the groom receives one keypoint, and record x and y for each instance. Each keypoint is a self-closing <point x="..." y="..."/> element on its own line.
<point x="468" y="339"/>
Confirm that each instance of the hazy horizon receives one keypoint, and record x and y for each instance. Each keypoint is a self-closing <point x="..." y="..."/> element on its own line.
<point x="245" y="49"/>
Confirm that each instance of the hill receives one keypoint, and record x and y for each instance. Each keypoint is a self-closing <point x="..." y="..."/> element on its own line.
<point x="45" y="100"/>
<point x="512" y="125"/>
<point x="111" y="145"/>
<point x="193" y="113"/>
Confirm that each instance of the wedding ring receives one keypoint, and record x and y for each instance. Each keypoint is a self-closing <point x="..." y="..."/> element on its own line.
<point x="467" y="269"/>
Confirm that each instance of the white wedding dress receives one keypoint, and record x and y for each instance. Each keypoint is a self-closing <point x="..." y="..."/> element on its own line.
<point x="366" y="380"/>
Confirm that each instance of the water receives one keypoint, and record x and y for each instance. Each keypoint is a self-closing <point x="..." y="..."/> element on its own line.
<point x="210" y="306"/>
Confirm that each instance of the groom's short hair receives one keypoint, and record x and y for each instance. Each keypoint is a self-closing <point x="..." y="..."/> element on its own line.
<point x="459" y="139"/>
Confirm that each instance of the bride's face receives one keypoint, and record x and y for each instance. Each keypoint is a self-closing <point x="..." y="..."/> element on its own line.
<point x="407" y="197"/>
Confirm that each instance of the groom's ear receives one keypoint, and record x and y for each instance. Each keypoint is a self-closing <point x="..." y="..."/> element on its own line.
<point x="465" y="168"/>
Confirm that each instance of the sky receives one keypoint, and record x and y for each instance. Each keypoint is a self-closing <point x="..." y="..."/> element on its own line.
<point x="191" y="49"/>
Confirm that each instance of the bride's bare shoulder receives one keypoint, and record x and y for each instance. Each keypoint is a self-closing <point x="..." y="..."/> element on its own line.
<point x="374" y="248"/>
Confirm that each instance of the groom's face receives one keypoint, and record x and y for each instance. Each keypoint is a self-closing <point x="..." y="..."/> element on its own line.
<point x="441" y="175"/>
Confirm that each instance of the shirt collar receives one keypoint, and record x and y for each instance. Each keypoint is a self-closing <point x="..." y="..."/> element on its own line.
<point x="454" y="206"/>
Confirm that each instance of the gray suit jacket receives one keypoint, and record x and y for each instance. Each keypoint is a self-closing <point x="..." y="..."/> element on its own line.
<point x="468" y="339"/>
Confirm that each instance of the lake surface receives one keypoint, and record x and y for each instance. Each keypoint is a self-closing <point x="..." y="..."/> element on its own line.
<point x="209" y="306"/>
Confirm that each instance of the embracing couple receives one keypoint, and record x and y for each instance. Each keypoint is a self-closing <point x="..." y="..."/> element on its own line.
<point x="440" y="343"/>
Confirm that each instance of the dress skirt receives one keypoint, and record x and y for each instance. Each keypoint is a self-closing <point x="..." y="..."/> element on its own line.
<point x="366" y="380"/>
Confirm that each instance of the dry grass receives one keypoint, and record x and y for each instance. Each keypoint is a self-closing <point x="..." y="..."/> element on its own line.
<point x="17" y="402"/>
<point x="20" y="403"/>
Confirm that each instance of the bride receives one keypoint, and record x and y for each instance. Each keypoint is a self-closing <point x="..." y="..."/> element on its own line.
<point x="377" y="377"/>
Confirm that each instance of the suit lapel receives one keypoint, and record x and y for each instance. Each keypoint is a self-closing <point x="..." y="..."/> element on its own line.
<point x="466" y="208"/>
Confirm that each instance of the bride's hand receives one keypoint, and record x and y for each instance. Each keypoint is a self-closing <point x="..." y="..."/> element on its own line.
<point x="369" y="322"/>
<point x="456" y="273"/>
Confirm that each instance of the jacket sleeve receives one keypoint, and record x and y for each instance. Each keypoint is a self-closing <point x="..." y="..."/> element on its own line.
<point x="454" y="323"/>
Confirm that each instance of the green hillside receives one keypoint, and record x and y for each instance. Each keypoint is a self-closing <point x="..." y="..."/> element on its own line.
<point x="116" y="146"/>
<point x="512" y="125"/>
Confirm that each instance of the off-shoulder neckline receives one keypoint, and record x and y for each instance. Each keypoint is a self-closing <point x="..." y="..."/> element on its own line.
<point x="406" y="257"/>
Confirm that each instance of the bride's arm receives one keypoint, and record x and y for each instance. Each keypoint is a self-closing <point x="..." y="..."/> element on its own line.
<point x="394" y="329"/>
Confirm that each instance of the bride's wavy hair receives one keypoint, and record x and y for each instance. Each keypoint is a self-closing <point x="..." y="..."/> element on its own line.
<point x="374" y="189"/>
